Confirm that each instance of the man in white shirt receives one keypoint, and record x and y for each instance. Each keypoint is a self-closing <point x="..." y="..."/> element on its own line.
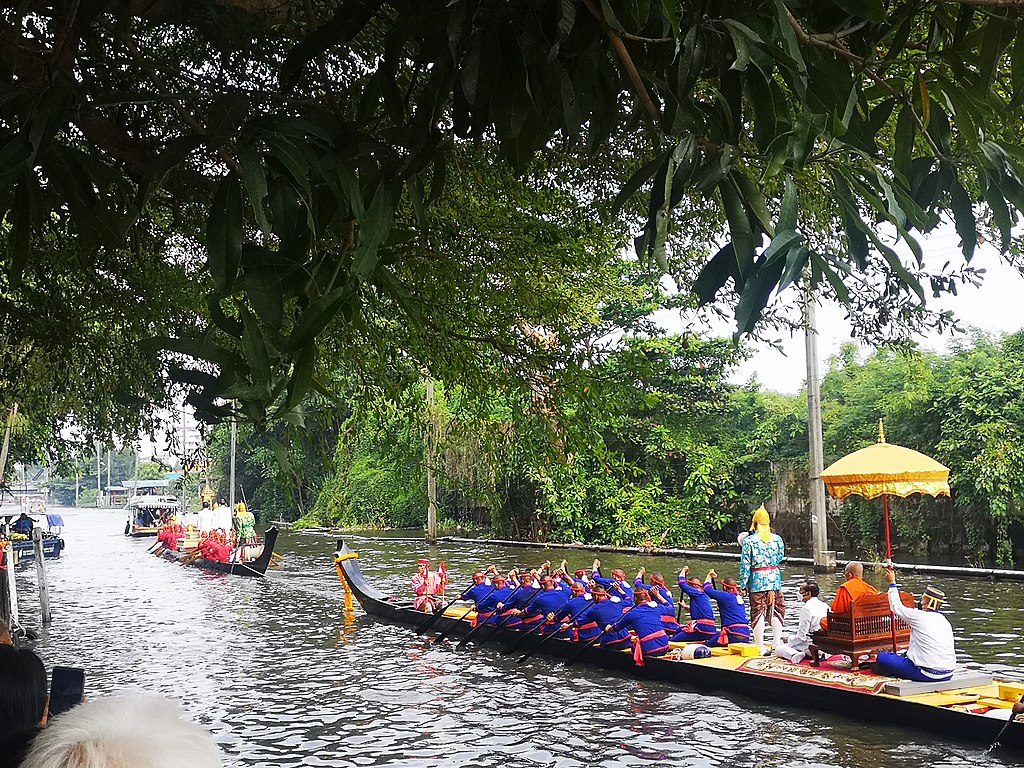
<point x="811" y="614"/>
<point x="190" y="520"/>
<point x="222" y="519"/>
<point x="205" y="518"/>
<point x="931" y="656"/>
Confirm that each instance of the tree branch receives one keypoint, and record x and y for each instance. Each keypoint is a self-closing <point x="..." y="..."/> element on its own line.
<point x="627" y="63"/>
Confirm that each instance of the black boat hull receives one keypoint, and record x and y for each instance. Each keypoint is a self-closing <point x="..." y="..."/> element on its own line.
<point x="857" y="704"/>
<point x="256" y="568"/>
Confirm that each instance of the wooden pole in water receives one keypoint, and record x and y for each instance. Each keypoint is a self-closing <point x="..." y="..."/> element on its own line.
<point x="6" y="572"/>
<point x="44" y="592"/>
<point x="431" y="480"/>
<point x="7" y="441"/>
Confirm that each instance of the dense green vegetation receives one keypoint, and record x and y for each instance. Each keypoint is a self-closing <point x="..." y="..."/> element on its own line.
<point x="671" y="454"/>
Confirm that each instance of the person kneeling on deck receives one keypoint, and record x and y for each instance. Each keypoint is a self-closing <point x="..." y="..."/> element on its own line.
<point x="931" y="656"/>
<point x="487" y="607"/>
<point x="731" y="608"/>
<point x="701" y="628"/>
<point x="618" y="585"/>
<point x="543" y="607"/>
<point x="426" y="585"/>
<point x="662" y="595"/>
<point x="797" y="648"/>
<point x="644" y="618"/>
<point x="525" y="591"/>
<point x="605" y="611"/>
<point x="580" y="601"/>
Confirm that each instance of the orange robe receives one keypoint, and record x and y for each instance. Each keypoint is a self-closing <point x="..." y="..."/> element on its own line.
<point x="846" y="595"/>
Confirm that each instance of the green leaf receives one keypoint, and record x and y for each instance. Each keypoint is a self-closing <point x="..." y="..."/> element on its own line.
<point x="20" y="241"/>
<point x="742" y="36"/>
<point x="639" y="177"/>
<point x="714" y="274"/>
<point x="822" y="266"/>
<point x="49" y="115"/>
<point x="373" y="231"/>
<point x="789" y="207"/>
<point x="348" y="20"/>
<point x="739" y="228"/>
<point x="963" y="218"/>
<point x="796" y="260"/>
<point x="779" y="246"/>
<point x="12" y="158"/>
<point x="909" y="280"/>
<point x="255" y="177"/>
<point x="756" y="292"/>
<point x="255" y="348"/>
<point x="1000" y="214"/>
<point x="302" y="376"/>
<point x="224" y="233"/>
<point x="263" y="287"/>
<point x="755" y="201"/>
<point x="317" y="316"/>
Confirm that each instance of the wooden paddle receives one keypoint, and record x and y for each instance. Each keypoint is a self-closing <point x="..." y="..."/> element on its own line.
<point x="436" y="616"/>
<point x="191" y="557"/>
<point x="573" y="618"/>
<point x="481" y="625"/>
<point x="1002" y="732"/>
<point x="508" y="618"/>
<point x="573" y="659"/>
<point x="454" y="624"/>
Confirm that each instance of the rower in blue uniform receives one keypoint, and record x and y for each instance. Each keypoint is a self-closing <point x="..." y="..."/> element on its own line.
<point x="644" y="618"/>
<point x="544" y="607"/>
<point x="521" y="597"/>
<point x="662" y="595"/>
<point x="487" y="608"/>
<point x="731" y="608"/>
<point x="618" y="585"/>
<point x="605" y="610"/>
<point x="701" y="627"/>
<point x="481" y="588"/>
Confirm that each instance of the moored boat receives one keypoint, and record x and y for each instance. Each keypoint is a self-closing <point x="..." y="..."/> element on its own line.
<point x="147" y="514"/>
<point x="22" y="544"/>
<point x="255" y="566"/>
<point x="956" y="709"/>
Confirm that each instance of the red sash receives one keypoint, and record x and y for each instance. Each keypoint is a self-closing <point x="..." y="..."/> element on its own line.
<point x="638" y="651"/>
<point x="723" y="636"/>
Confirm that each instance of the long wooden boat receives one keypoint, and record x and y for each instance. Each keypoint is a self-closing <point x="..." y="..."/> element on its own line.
<point x="858" y="694"/>
<point x="257" y="567"/>
<point x="140" y="531"/>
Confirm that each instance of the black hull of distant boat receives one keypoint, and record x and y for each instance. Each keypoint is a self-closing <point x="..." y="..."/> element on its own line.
<point x="52" y="547"/>
<point x="790" y="693"/>
<point x="256" y="568"/>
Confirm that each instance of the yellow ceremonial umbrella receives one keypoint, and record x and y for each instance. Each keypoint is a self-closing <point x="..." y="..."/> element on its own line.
<point x="885" y="470"/>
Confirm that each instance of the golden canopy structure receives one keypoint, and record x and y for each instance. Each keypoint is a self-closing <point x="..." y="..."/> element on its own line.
<point x="885" y="470"/>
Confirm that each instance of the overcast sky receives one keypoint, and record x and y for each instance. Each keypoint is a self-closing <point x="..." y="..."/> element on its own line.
<point x="998" y="306"/>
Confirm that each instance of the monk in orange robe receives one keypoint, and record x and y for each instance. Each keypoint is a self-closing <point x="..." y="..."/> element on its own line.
<point x="854" y="587"/>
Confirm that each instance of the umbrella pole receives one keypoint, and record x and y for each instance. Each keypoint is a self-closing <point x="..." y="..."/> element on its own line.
<point x="888" y="552"/>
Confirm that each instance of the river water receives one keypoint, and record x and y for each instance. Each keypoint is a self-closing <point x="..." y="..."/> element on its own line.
<point x="279" y="676"/>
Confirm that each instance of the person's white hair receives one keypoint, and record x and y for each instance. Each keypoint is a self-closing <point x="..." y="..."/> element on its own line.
<point x="123" y="732"/>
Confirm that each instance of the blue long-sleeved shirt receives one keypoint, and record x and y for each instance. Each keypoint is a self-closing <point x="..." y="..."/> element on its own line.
<point x="731" y="607"/>
<point x="700" y="603"/>
<point x="645" y="620"/>
<point x="602" y="614"/>
<point x="489" y="603"/>
<point x="478" y="592"/>
<point x="615" y="587"/>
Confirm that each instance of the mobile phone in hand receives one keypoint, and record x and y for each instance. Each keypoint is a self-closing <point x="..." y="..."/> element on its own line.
<point x="66" y="689"/>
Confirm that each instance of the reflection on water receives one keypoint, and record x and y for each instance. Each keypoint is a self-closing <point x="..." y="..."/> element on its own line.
<point x="283" y="678"/>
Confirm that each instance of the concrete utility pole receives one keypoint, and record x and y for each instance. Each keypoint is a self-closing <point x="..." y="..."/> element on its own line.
<point x="99" y="483"/>
<point x="108" y="473"/>
<point x="184" y="453"/>
<point x="823" y="559"/>
<point x="231" y="473"/>
<point x="431" y="480"/>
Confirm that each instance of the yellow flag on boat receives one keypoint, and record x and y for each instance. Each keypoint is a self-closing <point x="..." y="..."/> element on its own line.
<point x="886" y="469"/>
